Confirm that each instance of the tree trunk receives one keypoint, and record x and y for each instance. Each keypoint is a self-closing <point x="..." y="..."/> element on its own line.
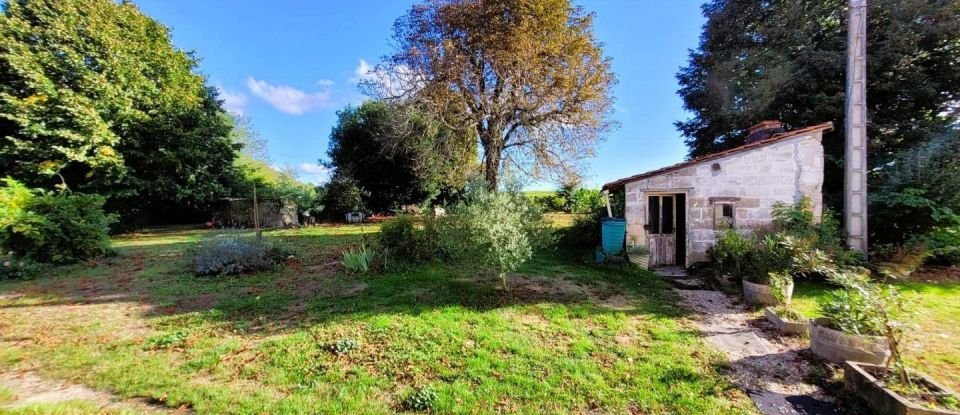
<point x="492" y="154"/>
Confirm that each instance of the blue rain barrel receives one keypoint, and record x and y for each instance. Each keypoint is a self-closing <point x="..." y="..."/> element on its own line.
<point x="613" y="231"/>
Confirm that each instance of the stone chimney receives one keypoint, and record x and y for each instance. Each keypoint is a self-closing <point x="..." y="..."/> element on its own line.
<point x="763" y="130"/>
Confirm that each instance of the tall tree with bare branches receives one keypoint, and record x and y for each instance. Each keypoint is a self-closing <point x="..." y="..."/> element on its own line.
<point x="526" y="79"/>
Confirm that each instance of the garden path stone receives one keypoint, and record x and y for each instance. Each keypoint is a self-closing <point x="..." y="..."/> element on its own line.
<point x="769" y="369"/>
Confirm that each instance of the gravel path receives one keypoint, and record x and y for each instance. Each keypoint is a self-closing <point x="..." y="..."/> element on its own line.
<point x="768" y="367"/>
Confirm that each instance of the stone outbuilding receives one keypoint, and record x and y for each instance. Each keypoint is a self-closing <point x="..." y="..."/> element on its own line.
<point x="676" y="211"/>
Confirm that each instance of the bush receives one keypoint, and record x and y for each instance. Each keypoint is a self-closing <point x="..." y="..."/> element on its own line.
<point x="53" y="227"/>
<point x="497" y="229"/>
<point x="234" y="255"/>
<point x="12" y="268"/>
<point x="401" y="239"/>
<point x="584" y="233"/>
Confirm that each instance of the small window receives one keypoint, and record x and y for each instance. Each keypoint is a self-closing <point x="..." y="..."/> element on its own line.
<point x="723" y="215"/>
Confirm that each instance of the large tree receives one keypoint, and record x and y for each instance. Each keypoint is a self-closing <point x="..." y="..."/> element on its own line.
<point x="396" y="154"/>
<point x="94" y="97"/>
<point x="785" y="59"/>
<point x="526" y="79"/>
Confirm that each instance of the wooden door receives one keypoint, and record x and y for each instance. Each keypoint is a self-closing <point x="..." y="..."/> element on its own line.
<point x="662" y="229"/>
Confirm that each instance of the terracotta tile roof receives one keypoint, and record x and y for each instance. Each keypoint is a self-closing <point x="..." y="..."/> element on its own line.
<point x="827" y="126"/>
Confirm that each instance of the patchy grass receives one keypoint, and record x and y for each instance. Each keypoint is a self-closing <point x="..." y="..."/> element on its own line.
<point x="569" y="337"/>
<point x="934" y="348"/>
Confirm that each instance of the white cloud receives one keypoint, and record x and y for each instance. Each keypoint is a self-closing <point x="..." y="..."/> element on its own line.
<point x="364" y="72"/>
<point x="398" y="82"/>
<point x="313" y="173"/>
<point x="326" y="82"/>
<point x="233" y="102"/>
<point x="289" y="99"/>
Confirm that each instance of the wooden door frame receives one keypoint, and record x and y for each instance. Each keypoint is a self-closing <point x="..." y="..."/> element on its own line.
<point x="686" y="215"/>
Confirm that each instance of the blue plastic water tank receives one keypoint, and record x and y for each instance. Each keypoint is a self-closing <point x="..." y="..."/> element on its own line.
<point x="613" y="231"/>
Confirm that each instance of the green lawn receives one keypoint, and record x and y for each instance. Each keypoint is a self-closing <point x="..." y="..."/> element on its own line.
<point x="569" y="337"/>
<point x="935" y="348"/>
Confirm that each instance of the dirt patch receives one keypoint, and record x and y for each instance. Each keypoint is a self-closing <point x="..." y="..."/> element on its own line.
<point x="542" y="288"/>
<point x="30" y="389"/>
<point x="618" y="302"/>
<point x="198" y="303"/>
<point x="313" y="286"/>
<point x="934" y="273"/>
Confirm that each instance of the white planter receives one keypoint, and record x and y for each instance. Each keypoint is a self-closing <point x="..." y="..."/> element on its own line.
<point x="862" y="379"/>
<point x="786" y="326"/>
<point x="763" y="294"/>
<point x="839" y="347"/>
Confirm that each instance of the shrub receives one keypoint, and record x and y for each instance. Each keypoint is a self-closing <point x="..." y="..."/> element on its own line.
<point x="234" y="255"/>
<point x="866" y="308"/>
<point x="12" y="268"/>
<point x="420" y="400"/>
<point x="584" y="233"/>
<point x="48" y="227"/>
<point x="497" y="229"/>
<point x="400" y="238"/>
<point x="730" y="252"/>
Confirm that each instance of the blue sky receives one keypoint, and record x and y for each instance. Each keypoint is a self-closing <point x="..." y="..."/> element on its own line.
<point x="290" y="65"/>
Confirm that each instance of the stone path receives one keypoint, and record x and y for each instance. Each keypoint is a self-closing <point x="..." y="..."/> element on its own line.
<point x="766" y="366"/>
<point x="29" y="389"/>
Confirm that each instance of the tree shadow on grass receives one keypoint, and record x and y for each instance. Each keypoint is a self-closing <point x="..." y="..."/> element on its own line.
<point x="317" y="290"/>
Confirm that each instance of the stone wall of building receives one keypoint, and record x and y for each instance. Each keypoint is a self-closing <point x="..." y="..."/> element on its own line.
<point x="752" y="181"/>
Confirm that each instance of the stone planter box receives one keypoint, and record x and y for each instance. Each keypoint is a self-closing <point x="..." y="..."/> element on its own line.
<point x="839" y="347"/>
<point x="786" y="326"/>
<point x="860" y="378"/>
<point x="763" y="294"/>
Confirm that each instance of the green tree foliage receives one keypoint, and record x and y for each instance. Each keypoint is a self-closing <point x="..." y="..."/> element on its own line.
<point x="396" y="154"/>
<point x="524" y="79"/>
<point x="785" y="60"/>
<point x="94" y="97"/>
<point x="917" y="200"/>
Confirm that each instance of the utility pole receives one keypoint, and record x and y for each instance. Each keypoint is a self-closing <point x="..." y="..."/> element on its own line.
<point x="855" y="128"/>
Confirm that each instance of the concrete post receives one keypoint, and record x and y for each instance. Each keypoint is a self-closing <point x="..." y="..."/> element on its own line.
<point x="855" y="155"/>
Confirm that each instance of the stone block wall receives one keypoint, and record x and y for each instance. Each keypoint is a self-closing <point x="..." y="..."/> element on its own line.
<point x="752" y="181"/>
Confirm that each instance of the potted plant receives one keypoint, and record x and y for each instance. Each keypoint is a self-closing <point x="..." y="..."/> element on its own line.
<point x="783" y="316"/>
<point x="890" y="386"/>
<point x="848" y="329"/>
<point x="770" y="281"/>
<point x="637" y="254"/>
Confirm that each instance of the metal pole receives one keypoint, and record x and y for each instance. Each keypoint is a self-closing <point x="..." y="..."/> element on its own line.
<point x="855" y="128"/>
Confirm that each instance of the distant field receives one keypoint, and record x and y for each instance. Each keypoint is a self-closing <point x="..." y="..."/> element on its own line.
<point x="539" y="193"/>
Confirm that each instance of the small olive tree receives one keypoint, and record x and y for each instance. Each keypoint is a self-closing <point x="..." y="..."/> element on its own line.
<point x="498" y="229"/>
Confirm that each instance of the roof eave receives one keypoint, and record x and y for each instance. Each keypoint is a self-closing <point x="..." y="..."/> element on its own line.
<point x="827" y="126"/>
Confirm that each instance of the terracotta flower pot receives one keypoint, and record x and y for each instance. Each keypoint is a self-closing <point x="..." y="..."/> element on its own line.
<point x="862" y="379"/>
<point x="839" y="347"/>
<point x="763" y="294"/>
<point x="786" y="326"/>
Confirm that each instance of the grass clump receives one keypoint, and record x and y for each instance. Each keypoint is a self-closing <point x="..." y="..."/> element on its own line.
<point x="344" y="346"/>
<point x="422" y="399"/>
